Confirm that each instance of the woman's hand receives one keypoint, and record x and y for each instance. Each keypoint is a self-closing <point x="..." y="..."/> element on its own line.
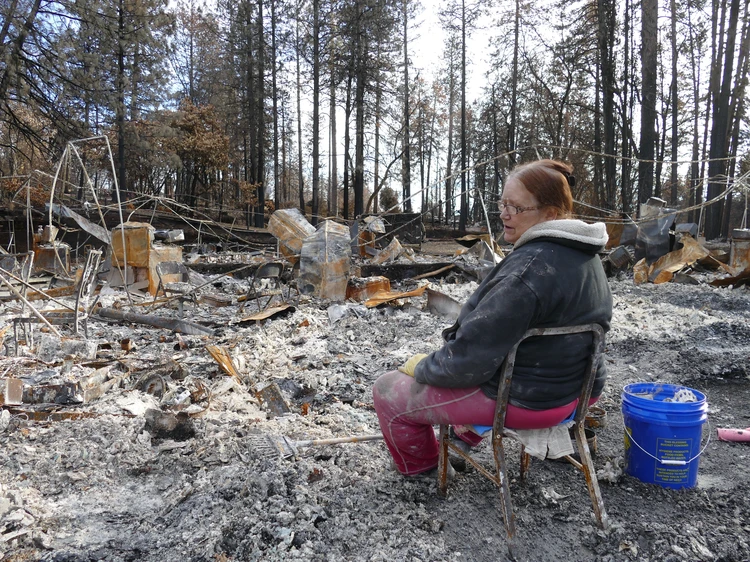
<point x="411" y="364"/>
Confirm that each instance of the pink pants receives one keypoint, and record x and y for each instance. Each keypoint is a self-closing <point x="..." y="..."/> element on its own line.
<point x="407" y="410"/>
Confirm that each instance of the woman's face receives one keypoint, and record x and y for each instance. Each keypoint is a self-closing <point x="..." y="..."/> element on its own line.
<point x="514" y="193"/>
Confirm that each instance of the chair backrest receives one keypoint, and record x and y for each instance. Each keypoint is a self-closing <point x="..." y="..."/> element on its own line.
<point x="172" y="268"/>
<point x="8" y="263"/>
<point x="503" y="391"/>
<point x="87" y="283"/>
<point x="270" y="270"/>
<point x="86" y="287"/>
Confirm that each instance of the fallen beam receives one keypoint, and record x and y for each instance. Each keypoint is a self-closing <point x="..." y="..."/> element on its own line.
<point x="401" y="271"/>
<point x="173" y="324"/>
<point x="388" y="296"/>
<point x="225" y="269"/>
<point x="50" y="294"/>
<point x="434" y="273"/>
<point x="55" y="412"/>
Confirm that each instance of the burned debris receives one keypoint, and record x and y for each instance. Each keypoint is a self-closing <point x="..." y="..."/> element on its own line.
<point x="143" y="277"/>
<point x="659" y="250"/>
<point x="213" y="379"/>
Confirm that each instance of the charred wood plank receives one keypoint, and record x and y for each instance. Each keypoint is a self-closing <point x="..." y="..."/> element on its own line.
<point x="174" y="324"/>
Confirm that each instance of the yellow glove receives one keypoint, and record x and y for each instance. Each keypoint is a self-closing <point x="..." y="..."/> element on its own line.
<point x="411" y="364"/>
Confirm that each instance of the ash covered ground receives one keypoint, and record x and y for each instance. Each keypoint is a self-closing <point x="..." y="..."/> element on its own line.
<point x="109" y="488"/>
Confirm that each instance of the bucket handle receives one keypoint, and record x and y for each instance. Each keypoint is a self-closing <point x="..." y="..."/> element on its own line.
<point x="668" y="461"/>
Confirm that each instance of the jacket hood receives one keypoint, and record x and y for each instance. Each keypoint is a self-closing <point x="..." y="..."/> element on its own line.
<point x="593" y="235"/>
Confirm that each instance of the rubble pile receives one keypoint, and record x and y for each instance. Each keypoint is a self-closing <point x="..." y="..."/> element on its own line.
<point x="144" y="442"/>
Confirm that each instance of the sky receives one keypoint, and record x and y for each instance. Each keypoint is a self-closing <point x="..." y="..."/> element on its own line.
<point x="428" y="44"/>
<point x="426" y="38"/>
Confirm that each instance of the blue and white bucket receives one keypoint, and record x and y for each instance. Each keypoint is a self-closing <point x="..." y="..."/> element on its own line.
<point x="663" y="429"/>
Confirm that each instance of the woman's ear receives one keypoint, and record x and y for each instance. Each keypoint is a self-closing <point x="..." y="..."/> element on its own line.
<point x="550" y="214"/>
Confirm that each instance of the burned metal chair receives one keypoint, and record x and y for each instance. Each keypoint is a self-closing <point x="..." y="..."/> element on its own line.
<point x="500" y="478"/>
<point x="10" y="271"/>
<point x="272" y="272"/>
<point x="174" y="282"/>
<point x="9" y="265"/>
<point x="77" y="316"/>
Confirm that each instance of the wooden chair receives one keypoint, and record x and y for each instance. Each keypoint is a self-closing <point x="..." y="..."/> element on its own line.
<point x="174" y="282"/>
<point x="500" y="477"/>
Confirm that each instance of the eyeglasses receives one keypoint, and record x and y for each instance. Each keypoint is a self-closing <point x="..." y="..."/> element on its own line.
<point x="514" y="209"/>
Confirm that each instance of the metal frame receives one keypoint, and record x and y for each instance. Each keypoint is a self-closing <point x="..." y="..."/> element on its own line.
<point x="79" y="315"/>
<point x="500" y="479"/>
<point x="181" y="290"/>
<point x="270" y="270"/>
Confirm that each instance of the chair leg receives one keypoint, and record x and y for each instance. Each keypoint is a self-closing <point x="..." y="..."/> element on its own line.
<point x="502" y="475"/>
<point x="265" y="306"/>
<point x="443" y="461"/>
<point x="251" y="294"/>
<point x="590" y="474"/>
<point x="525" y="462"/>
<point x="295" y="302"/>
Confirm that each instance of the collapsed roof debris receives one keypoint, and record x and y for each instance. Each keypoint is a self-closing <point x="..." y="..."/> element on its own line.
<point x="659" y="251"/>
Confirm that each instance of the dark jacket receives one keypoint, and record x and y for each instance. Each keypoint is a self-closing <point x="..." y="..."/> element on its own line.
<point x="553" y="277"/>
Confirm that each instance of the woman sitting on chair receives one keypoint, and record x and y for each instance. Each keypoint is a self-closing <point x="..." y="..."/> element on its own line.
<point x="553" y="277"/>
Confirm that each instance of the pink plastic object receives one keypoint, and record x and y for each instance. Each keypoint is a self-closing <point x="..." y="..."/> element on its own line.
<point x="737" y="435"/>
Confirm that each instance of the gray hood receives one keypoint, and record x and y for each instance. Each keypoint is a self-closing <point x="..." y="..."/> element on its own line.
<point x="568" y="229"/>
